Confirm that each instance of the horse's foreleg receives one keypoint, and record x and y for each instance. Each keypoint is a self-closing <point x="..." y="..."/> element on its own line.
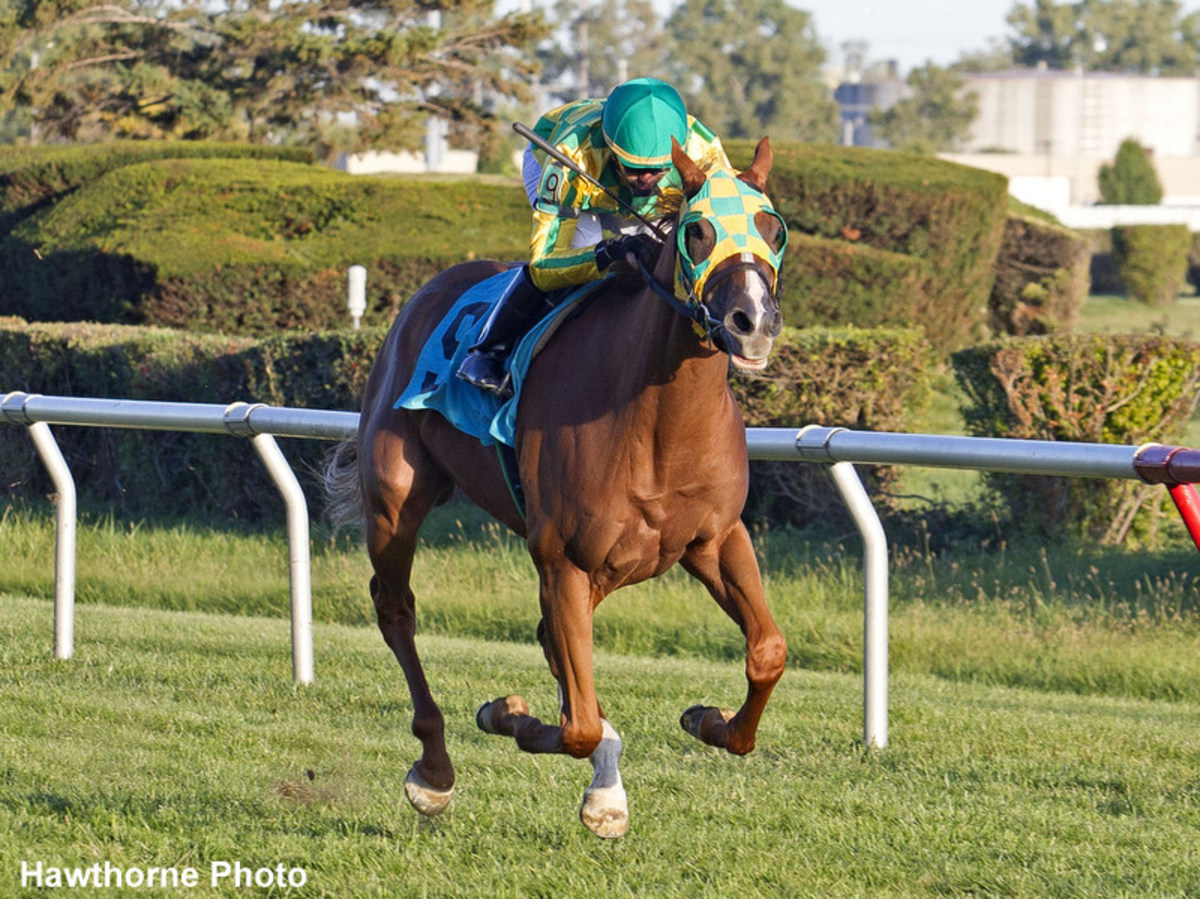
<point x="605" y="808"/>
<point x="730" y="572"/>
<point x="565" y="634"/>
<point x="566" y="637"/>
<point x="567" y="604"/>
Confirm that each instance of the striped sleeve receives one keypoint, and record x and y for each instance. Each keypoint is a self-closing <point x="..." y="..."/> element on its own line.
<point x="553" y="262"/>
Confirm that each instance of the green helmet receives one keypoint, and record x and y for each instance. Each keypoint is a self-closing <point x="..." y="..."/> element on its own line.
<point x="640" y="118"/>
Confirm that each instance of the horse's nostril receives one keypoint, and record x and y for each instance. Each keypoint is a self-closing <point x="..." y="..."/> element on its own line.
<point x="740" y="322"/>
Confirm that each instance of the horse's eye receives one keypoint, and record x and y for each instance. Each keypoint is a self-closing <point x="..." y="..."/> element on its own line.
<point x="771" y="229"/>
<point x="699" y="238"/>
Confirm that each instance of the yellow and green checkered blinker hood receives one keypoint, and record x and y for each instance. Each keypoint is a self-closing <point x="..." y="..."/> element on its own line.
<point x="729" y="204"/>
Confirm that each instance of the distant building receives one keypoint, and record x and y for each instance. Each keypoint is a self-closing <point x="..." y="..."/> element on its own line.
<point x="1050" y="131"/>
<point x="1042" y="112"/>
<point x="438" y="157"/>
<point x="862" y="90"/>
<point x="858" y="100"/>
<point x="374" y="162"/>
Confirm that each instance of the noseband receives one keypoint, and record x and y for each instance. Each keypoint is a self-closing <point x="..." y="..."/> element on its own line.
<point x="693" y="308"/>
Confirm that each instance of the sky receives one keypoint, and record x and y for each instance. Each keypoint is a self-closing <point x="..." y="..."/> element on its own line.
<point x="912" y="32"/>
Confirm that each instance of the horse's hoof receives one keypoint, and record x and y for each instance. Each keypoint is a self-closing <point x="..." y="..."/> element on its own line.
<point x="485" y="715"/>
<point x="605" y="812"/>
<point x="701" y="721"/>
<point x="427" y="800"/>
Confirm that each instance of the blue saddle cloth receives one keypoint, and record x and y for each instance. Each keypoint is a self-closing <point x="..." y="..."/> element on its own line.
<point x="434" y="385"/>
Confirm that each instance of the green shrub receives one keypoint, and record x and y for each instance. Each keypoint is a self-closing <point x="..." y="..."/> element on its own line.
<point x="871" y="379"/>
<point x="248" y="246"/>
<point x="1041" y="278"/>
<point x="835" y="283"/>
<point x="31" y="178"/>
<point x="148" y="474"/>
<point x="1130" y="179"/>
<point x="1117" y="390"/>
<point x="1152" y="261"/>
<point x="847" y="377"/>
<point x="949" y="216"/>
<point x="123" y="233"/>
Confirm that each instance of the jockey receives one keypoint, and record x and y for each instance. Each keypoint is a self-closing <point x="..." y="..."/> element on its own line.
<point x="624" y="142"/>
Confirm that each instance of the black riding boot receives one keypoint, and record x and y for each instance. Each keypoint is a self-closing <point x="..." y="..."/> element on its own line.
<point x="520" y="306"/>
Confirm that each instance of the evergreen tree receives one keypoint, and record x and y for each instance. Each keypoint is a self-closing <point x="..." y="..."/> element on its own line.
<point x="360" y="72"/>
<point x="1130" y="179"/>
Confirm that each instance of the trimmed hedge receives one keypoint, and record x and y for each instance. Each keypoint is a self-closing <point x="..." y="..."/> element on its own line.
<point x="834" y="282"/>
<point x="948" y="215"/>
<point x="1120" y="390"/>
<point x="247" y="246"/>
<point x="258" y="246"/>
<point x="1042" y="278"/>
<point x="31" y="178"/>
<point x="838" y="377"/>
<point x="873" y="379"/>
<point x="1152" y="261"/>
<point x="152" y="474"/>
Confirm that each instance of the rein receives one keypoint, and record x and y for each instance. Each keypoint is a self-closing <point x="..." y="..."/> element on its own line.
<point x="691" y="309"/>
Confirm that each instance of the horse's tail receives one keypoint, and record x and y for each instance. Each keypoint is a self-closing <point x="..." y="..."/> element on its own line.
<point x="343" y="492"/>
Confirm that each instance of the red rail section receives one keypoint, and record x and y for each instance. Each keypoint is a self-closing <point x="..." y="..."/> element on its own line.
<point x="1179" y="468"/>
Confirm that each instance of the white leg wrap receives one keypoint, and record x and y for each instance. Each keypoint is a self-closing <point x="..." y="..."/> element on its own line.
<point x="605" y="810"/>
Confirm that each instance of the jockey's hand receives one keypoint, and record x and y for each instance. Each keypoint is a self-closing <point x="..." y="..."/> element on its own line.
<point x="642" y="247"/>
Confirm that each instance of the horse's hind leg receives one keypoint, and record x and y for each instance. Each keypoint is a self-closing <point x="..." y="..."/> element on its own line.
<point x="730" y="572"/>
<point x="399" y="494"/>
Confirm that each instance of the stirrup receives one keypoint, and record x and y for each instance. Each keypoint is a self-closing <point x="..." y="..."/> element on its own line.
<point x="486" y="371"/>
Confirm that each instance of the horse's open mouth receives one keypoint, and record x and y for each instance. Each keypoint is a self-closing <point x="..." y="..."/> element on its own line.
<point x="743" y="364"/>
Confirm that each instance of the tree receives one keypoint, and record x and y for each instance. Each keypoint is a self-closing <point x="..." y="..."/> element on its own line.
<point x="1131" y="178"/>
<point x="260" y="70"/>
<point x="751" y="68"/>
<point x="936" y="117"/>
<point x="997" y="56"/>
<point x="608" y="41"/>
<point x="1151" y="37"/>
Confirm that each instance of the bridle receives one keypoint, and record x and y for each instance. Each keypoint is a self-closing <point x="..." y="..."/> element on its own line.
<point x="693" y="308"/>
<point x="731" y="210"/>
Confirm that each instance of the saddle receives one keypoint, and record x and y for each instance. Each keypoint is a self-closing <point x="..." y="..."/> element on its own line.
<point x="480" y="413"/>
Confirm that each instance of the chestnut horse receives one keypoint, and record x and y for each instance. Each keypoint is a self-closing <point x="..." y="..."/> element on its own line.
<point x="632" y="456"/>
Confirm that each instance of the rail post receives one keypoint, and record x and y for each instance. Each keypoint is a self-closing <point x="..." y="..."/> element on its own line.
<point x="237" y="421"/>
<point x="65" y="515"/>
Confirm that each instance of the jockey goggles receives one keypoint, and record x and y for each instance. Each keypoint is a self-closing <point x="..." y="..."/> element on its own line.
<point x="729" y="204"/>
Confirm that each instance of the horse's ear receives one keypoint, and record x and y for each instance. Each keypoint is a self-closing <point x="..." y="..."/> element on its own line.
<point x="756" y="175"/>
<point x="690" y="174"/>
